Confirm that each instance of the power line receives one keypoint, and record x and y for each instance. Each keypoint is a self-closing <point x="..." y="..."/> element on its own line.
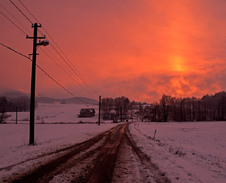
<point x="59" y="65"/>
<point x="75" y="71"/>
<point x="63" y="59"/>
<point x="54" y="80"/>
<point x="15" y="51"/>
<point x="72" y="67"/>
<point x="63" y="69"/>
<point x="62" y="55"/>
<point x="42" y="71"/>
<point x="29" y="31"/>
<point x="20" y="11"/>
<point x="14" y="17"/>
<point x="28" y="11"/>
<point x="13" y="23"/>
<point x="69" y="66"/>
<point x="24" y="32"/>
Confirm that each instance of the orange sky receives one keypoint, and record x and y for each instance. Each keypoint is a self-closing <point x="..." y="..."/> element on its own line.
<point x="135" y="48"/>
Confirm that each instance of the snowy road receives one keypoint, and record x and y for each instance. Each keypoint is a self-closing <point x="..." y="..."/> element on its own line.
<point x="111" y="156"/>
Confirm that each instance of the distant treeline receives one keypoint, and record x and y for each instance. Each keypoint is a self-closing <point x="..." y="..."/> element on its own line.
<point x="206" y="108"/>
<point x="115" y="108"/>
<point x="19" y="104"/>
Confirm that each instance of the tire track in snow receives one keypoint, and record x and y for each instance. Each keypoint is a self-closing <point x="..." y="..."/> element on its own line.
<point x="149" y="168"/>
<point x="94" y="161"/>
<point x="41" y="156"/>
<point x="107" y="156"/>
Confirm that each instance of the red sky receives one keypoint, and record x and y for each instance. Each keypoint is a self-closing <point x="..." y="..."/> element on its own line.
<point x="135" y="48"/>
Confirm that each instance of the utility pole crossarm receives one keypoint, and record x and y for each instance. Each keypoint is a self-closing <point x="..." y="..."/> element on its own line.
<point x="28" y="37"/>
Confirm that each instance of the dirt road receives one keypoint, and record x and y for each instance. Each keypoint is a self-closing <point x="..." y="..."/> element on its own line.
<point x="109" y="157"/>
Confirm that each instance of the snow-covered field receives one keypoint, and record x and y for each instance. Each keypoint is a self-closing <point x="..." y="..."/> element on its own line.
<point x="14" y="147"/>
<point x="57" y="126"/>
<point x="54" y="113"/>
<point x="186" y="152"/>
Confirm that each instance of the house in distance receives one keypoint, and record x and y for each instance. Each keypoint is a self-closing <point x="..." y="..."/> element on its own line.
<point x="87" y="113"/>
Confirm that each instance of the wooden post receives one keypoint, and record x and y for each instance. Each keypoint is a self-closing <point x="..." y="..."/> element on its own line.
<point x="16" y="115"/>
<point x="99" y="110"/>
<point x="154" y="134"/>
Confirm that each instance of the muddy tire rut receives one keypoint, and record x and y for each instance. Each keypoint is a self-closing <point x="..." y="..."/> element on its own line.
<point x="111" y="156"/>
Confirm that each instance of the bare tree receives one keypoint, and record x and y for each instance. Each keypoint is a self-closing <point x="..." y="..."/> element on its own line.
<point x="165" y="102"/>
<point x="3" y="105"/>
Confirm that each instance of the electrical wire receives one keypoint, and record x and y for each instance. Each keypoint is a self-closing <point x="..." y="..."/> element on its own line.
<point x="13" y="23"/>
<point x="54" y="60"/>
<point x="63" y="69"/>
<point x="14" y="17"/>
<point x="28" y="11"/>
<point x="30" y="59"/>
<point x="54" y="80"/>
<point x="72" y="67"/>
<point x="63" y="59"/>
<point x="75" y="72"/>
<point x="15" y="51"/>
<point x="20" y="11"/>
<point x="26" y="34"/>
<point x="62" y="55"/>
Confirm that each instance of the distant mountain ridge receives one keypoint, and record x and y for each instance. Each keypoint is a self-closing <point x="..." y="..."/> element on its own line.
<point x="13" y="94"/>
<point x="75" y="100"/>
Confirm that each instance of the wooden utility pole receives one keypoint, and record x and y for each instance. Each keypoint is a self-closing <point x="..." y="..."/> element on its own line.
<point x="32" y="99"/>
<point x="99" y="110"/>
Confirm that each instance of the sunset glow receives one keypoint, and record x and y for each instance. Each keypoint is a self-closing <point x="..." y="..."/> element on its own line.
<point x="138" y="49"/>
<point x="177" y="64"/>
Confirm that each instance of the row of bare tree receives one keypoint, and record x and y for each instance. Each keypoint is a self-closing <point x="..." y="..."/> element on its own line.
<point x="12" y="105"/>
<point x="115" y="108"/>
<point x="207" y="108"/>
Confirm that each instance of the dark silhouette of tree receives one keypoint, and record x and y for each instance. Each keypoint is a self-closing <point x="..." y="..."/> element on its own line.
<point x="165" y="102"/>
<point x="107" y="107"/>
<point x="20" y="104"/>
<point x="3" y="106"/>
<point x="115" y="108"/>
<point x="206" y="108"/>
